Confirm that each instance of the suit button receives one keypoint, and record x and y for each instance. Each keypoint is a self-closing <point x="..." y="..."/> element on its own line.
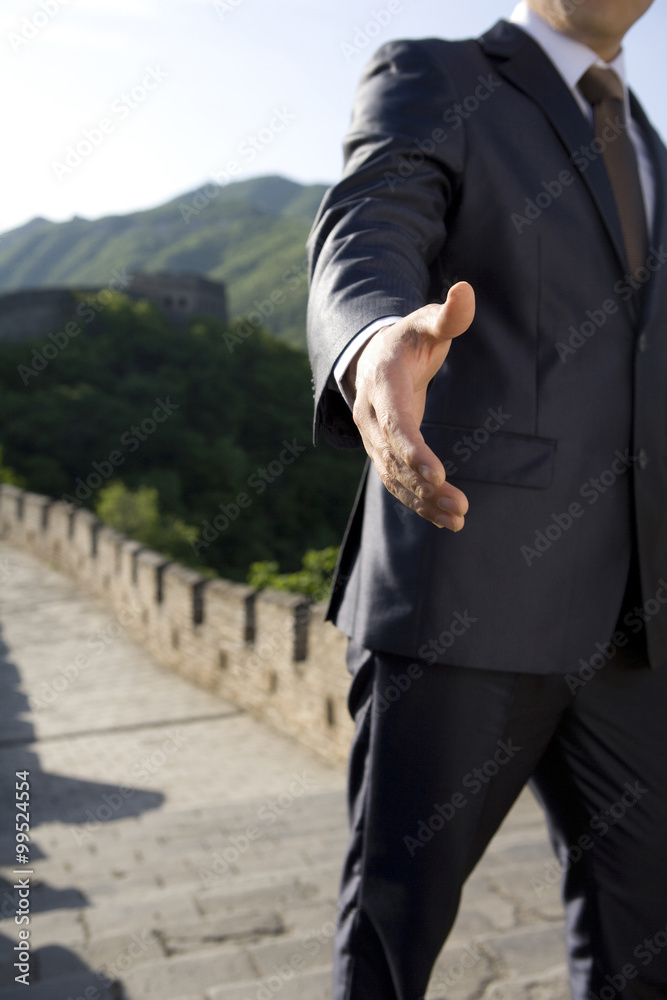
<point x="642" y="459"/>
<point x="642" y="342"/>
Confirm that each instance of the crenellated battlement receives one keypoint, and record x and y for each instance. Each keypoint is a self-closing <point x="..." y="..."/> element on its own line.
<point x="268" y="652"/>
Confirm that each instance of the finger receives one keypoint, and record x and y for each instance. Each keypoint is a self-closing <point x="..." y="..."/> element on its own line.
<point x="408" y="478"/>
<point x="412" y="488"/>
<point x="451" y="499"/>
<point x="393" y="471"/>
<point x="385" y="415"/>
<point x="397" y="447"/>
<point x="440" y="518"/>
<point x="430" y="502"/>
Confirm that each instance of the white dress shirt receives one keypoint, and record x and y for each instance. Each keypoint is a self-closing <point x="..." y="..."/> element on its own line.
<point x="572" y="59"/>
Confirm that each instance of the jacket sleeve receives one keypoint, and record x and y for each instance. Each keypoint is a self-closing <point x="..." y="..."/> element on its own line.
<point x="379" y="231"/>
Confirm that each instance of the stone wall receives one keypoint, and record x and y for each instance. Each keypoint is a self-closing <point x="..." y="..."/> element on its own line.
<point x="31" y="313"/>
<point x="181" y="296"/>
<point x="34" y="312"/>
<point x="268" y="652"/>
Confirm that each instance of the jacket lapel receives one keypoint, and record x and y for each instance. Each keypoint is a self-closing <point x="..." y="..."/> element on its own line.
<point x="521" y="61"/>
<point x="658" y="234"/>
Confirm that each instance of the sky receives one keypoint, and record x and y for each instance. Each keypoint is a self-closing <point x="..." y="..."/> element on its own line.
<point x="117" y="105"/>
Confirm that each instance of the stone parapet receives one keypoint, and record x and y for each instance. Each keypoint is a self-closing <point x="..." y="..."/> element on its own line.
<point x="268" y="652"/>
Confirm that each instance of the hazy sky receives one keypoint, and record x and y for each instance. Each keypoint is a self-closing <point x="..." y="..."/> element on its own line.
<point x="162" y="95"/>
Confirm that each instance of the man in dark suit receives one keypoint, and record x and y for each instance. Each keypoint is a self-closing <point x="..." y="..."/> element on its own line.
<point x="533" y="644"/>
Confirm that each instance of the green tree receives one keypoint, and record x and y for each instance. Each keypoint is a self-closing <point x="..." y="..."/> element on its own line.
<point x="8" y="475"/>
<point x="137" y="514"/>
<point x="313" y="579"/>
<point x="222" y="431"/>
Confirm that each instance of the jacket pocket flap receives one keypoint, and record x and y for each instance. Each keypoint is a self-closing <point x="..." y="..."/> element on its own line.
<point x="492" y="456"/>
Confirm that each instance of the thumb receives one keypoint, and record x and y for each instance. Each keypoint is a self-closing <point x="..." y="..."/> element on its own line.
<point x="456" y="313"/>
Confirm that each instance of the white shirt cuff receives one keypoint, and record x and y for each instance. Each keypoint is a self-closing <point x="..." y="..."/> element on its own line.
<point x="345" y="358"/>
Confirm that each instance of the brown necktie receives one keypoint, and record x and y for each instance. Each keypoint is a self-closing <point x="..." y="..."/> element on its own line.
<point x="603" y="89"/>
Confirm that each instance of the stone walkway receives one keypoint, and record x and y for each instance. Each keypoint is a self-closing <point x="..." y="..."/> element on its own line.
<point x="183" y="851"/>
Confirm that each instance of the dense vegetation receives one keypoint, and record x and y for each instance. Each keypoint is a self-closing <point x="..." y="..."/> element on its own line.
<point x="201" y="435"/>
<point x="249" y="234"/>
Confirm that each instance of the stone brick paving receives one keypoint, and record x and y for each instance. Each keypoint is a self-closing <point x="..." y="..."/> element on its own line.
<point x="183" y="851"/>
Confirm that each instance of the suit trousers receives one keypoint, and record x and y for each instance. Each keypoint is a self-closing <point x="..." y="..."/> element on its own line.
<point x="439" y="756"/>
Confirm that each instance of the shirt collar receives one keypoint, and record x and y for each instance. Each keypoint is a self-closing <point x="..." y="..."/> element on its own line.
<point x="571" y="58"/>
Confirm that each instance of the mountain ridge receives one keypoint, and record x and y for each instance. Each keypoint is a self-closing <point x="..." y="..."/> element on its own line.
<point x="249" y="234"/>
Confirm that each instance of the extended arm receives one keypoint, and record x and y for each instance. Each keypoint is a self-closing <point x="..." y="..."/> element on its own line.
<point x="374" y="250"/>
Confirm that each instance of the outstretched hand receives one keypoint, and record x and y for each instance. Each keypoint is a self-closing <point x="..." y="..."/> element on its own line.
<point x="388" y="380"/>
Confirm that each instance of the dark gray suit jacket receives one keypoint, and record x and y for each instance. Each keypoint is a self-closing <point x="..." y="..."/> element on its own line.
<point x="471" y="160"/>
